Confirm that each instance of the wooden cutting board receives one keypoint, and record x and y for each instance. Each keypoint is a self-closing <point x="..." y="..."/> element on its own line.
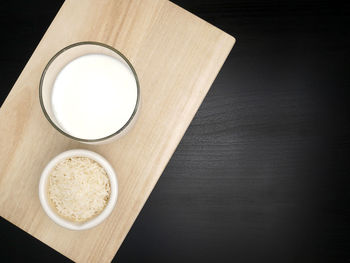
<point x="177" y="57"/>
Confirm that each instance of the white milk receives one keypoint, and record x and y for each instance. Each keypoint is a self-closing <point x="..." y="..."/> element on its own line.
<point x="94" y="96"/>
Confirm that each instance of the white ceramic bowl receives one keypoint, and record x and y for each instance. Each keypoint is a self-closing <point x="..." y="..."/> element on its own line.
<point x="94" y="221"/>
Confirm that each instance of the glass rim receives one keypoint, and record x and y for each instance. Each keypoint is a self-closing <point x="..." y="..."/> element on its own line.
<point x="41" y="91"/>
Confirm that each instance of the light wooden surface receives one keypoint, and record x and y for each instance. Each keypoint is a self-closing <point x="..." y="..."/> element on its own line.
<point x="176" y="55"/>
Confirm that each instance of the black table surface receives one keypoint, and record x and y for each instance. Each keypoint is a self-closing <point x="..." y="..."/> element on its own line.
<point x="262" y="173"/>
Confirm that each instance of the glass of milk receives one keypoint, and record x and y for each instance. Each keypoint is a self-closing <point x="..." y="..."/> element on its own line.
<point x="90" y="92"/>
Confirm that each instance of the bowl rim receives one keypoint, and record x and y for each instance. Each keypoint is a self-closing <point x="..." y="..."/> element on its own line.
<point x="95" y="220"/>
<point x="41" y="92"/>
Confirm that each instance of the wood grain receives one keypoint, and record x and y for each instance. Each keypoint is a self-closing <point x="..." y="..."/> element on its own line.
<point x="176" y="55"/>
